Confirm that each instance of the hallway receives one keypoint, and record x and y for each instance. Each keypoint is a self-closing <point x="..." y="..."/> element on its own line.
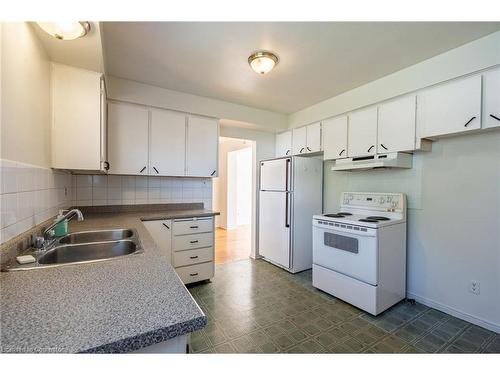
<point x="233" y="244"/>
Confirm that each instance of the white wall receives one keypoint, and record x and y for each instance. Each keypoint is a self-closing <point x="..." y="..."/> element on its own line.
<point x="25" y="101"/>
<point x="453" y="222"/>
<point x="477" y="55"/>
<point x="239" y="187"/>
<point x="140" y="93"/>
<point x="264" y="149"/>
<point x="220" y="192"/>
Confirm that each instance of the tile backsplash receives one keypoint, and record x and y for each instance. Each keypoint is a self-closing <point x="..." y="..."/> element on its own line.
<point x="99" y="190"/>
<point x="29" y="195"/>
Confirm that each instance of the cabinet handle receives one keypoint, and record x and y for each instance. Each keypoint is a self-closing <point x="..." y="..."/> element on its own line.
<point x="341" y="152"/>
<point x="302" y="149"/>
<point x="142" y="170"/>
<point x="495" y="117"/>
<point x="211" y="174"/>
<point x="194" y="257"/>
<point x="308" y="149"/>
<point x="287" y="152"/>
<point x="194" y="227"/>
<point x="385" y="148"/>
<point x="468" y="122"/>
<point x="194" y="241"/>
<point x="106" y="165"/>
<point x="370" y="148"/>
<point x="156" y="170"/>
<point x="166" y="226"/>
<point x="193" y="274"/>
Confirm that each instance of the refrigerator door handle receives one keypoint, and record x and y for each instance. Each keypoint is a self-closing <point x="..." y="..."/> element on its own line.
<point x="287" y="209"/>
<point x="287" y="182"/>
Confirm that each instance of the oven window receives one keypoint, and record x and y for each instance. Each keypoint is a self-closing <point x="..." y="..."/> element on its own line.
<point x="339" y="242"/>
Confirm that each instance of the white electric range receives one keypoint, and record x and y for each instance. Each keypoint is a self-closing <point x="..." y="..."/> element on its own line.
<point x="359" y="253"/>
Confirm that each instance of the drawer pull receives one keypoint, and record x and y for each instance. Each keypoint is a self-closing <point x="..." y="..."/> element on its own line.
<point x="194" y="241"/>
<point x="194" y="227"/>
<point x="194" y="257"/>
<point x="193" y="274"/>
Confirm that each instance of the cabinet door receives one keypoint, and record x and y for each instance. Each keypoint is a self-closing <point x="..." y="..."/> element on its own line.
<point x="161" y="231"/>
<point x="362" y="131"/>
<point x="450" y="108"/>
<point x="491" y="99"/>
<point x="299" y="141"/>
<point x="127" y="139"/>
<point x="313" y="137"/>
<point x="334" y="138"/>
<point x="202" y="147"/>
<point x="76" y="118"/>
<point x="396" y="125"/>
<point x="167" y="143"/>
<point x="284" y="144"/>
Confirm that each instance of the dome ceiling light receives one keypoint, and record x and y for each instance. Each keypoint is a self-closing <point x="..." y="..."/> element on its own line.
<point x="66" y="30"/>
<point x="263" y="62"/>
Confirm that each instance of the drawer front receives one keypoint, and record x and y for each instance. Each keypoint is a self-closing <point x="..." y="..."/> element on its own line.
<point x="197" y="272"/>
<point x="188" y="257"/>
<point x="193" y="226"/>
<point x="192" y="241"/>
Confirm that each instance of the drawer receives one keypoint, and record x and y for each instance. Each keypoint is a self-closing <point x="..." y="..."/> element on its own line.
<point x="187" y="257"/>
<point x="197" y="272"/>
<point x="193" y="226"/>
<point x="192" y="241"/>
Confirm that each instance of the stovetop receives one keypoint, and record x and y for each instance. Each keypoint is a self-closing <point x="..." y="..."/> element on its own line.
<point x="369" y="219"/>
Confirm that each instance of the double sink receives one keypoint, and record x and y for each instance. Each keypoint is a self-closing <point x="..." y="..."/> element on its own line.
<point x="84" y="247"/>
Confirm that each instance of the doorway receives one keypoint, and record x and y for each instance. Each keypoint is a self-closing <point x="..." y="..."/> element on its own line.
<point x="233" y="198"/>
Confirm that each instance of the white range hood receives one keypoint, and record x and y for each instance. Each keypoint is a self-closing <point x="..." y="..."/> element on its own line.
<point x="391" y="160"/>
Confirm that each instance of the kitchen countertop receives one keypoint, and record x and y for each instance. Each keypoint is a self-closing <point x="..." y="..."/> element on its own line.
<point x="119" y="305"/>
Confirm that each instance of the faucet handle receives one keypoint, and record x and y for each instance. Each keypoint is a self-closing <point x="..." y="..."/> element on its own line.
<point x="38" y="242"/>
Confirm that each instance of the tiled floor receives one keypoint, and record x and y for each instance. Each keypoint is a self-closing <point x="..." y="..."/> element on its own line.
<point x="254" y="307"/>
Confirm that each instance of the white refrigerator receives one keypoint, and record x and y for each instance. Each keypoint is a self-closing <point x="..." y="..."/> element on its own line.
<point x="290" y="194"/>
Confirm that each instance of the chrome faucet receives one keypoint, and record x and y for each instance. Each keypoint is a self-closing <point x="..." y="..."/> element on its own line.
<point x="48" y="239"/>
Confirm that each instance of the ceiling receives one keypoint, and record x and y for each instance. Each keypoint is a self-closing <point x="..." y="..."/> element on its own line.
<point x="317" y="60"/>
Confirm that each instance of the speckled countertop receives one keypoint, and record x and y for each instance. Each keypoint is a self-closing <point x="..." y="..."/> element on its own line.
<point x="114" y="306"/>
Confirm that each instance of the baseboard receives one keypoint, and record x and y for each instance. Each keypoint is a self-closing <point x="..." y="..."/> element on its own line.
<point x="456" y="313"/>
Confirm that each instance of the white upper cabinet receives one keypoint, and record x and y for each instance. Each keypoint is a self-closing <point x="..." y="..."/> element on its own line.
<point x="491" y="99"/>
<point x="313" y="137"/>
<point x="396" y="125"/>
<point x="334" y="138"/>
<point x="299" y="140"/>
<point x="202" y="147"/>
<point x="167" y="143"/>
<point x="362" y="133"/>
<point x="78" y="119"/>
<point x="128" y="138"/>
<point x="284" y="144"/>
<point x="450" y="108"/>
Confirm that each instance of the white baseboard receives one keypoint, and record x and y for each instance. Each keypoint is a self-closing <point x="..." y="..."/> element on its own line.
<point x="456" y="313"/>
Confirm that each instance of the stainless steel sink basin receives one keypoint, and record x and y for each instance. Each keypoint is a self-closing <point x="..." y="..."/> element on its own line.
<point x="87" y="252"/>
<point x="97" y="236"/>
<point x="83" y="247"/>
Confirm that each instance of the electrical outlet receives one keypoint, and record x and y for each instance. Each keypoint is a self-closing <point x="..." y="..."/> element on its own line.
<point x="475" y="287"/>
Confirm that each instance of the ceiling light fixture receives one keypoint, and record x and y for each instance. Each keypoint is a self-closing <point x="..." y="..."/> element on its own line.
<point x="263" y="62"/>
<point x="66" y="30"/>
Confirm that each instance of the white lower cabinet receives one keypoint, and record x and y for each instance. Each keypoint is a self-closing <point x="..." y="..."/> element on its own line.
<point x="188" y="245"/>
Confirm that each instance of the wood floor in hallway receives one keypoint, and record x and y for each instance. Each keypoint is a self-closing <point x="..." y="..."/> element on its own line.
<point x="232" y="244"/>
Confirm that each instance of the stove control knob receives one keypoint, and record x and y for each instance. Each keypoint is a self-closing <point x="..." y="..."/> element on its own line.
<point x="382" y="200"/>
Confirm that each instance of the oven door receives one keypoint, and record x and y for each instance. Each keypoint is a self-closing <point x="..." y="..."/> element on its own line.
<point x="352" y="254"/>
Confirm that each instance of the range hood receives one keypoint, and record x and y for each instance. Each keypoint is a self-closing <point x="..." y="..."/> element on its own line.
<point x="391" y="160"/>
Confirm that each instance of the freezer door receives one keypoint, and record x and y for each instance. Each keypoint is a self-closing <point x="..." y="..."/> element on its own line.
<point x="275" y="175"/>
<point x="274" y="227"/>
